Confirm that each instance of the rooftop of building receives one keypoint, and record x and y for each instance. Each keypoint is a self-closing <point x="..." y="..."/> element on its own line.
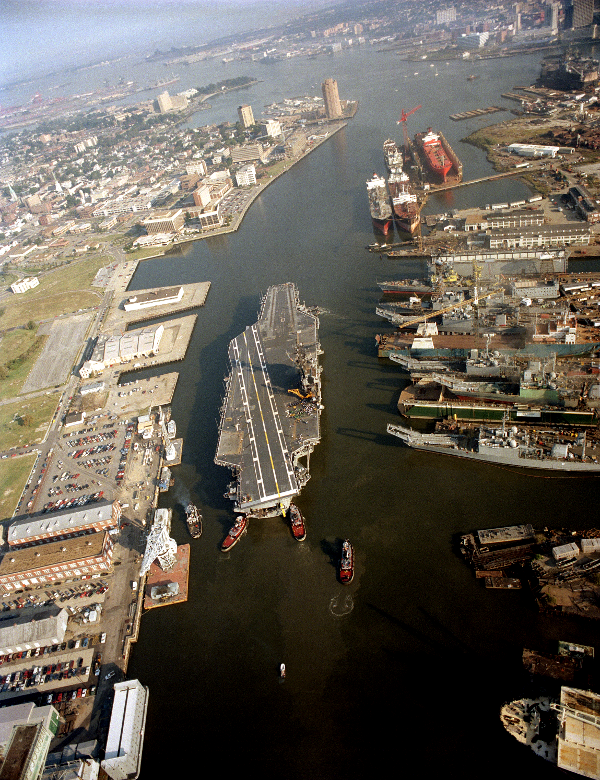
<point x="53" y="553"/>
<point x="59" y="522"/>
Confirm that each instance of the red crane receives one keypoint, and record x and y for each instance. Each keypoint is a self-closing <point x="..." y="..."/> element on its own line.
<point x="403" y="117"/>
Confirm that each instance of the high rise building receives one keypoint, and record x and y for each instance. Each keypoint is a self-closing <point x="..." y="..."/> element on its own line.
<point x="583" y="13"/>
<point x="445" y="15"/>
<point x="246" y="116"/>
<point x="333" y="107"/>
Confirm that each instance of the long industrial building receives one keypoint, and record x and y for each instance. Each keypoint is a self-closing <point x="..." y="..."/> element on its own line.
<point x="56" y="561"/>
<point x="101" y="516"/>
<point x="24" y="629"/>
<point x="123" y="753"/>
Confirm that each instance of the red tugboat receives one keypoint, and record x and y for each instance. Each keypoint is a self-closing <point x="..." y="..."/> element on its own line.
<point x="347" y="563"/>
<point x="297" y="523"/>
<point x="235" y="532"/>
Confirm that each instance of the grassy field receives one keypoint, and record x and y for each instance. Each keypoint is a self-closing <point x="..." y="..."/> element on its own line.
<point x="142" y="254"/>
<point x="12" y="345"/>
<point x="13" y="478"/>
<point x="40" y="411"/>
<point x="62" y="291"/>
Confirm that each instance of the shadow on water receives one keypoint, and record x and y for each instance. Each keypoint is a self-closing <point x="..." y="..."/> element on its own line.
<point x="332" y="550"/>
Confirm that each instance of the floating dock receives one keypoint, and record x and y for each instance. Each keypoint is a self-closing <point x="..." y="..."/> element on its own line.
<point x="169" y="587"/>
<point x="270" y="414"/>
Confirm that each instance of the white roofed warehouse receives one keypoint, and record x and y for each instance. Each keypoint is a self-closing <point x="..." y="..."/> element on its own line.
<point x="123" y="753"/>
<point x="24" y="629"/>
<point x="26" y="531"/>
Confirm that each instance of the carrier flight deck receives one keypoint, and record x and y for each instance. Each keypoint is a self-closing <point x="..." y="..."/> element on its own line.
<point x="270" y="414"/>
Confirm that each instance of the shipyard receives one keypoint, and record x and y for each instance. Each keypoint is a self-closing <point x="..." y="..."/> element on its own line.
<point x="299" y="403"/>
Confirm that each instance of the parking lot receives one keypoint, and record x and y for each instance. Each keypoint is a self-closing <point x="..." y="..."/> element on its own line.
<point x="63" y="671"/>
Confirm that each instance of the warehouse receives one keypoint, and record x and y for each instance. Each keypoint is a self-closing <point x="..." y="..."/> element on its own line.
<point x="24" y="629"/>
<point x="64" y="560"/>
<point x="26" y="531"/>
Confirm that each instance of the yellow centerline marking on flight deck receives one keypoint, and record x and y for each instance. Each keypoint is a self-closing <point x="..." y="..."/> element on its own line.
<point x="263" y="422"/>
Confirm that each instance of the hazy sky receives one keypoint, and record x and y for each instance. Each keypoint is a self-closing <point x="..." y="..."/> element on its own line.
<point x="43" y="35"/>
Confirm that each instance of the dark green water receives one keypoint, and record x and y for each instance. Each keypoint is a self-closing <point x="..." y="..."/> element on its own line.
<point x="414" y="659"/>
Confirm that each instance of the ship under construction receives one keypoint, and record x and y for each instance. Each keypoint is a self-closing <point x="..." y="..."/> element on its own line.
<point x="270" y="417"/>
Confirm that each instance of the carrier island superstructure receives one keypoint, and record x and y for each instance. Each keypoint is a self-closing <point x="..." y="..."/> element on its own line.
<point x="269" y="421"/>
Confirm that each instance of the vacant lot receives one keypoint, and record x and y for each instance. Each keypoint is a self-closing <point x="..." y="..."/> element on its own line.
<point x="55" y="363"/>
<point x="62" y="291"/>
<point x="25" y="422"/>
<point x="13" y="345"/>
<point x="13" y="478"/>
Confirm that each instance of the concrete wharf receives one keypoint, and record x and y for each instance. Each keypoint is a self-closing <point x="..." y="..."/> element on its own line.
<point x="136" y="396"/>
<point x="117" y="319"/>
<point x="515" y="96"/>
<point x="270" y="415"/>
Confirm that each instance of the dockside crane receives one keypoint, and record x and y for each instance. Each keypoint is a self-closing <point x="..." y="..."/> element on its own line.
<point x="402" y="121"/>
<point x="446" y="310"/>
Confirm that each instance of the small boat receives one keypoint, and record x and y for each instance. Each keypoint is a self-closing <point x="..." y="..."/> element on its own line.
<point x="282" y="671"/>
<point x="234" y="533"/>
<point x="347" y="562"/>
<point x="297" y="523"/>
<point x="194" y="521"/>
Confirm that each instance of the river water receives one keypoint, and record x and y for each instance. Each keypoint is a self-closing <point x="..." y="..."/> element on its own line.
<point x="410" y="664"/>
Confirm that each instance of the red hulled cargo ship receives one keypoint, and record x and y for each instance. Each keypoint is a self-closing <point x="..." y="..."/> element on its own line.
<point x="404" y="202"/>
<point x="392" y="155"/>
<point x="437" y="155"/>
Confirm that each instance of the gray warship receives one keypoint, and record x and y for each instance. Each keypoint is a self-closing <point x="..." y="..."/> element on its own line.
<point x="525" y="448"/>
<point x="270" y="416"/>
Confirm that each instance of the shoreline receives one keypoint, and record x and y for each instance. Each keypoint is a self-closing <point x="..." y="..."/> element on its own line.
<point x="235" y="225"/>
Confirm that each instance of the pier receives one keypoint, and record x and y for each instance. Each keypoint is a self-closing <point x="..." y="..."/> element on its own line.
<point x="493" y="177"/>
<point x="476" y="112"/>
<point x="117" y="319"/>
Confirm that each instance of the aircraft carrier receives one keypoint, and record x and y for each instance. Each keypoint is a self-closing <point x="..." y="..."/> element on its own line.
<point x="269" y="421"/>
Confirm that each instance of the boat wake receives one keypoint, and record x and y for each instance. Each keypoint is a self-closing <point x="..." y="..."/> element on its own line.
<point x="341" y="605"/>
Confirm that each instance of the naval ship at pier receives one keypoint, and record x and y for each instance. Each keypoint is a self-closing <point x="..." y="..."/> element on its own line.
<point x="270" y="416"/>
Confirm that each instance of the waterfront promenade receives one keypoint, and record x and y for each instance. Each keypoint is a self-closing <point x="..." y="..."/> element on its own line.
<point x="331" y="129"/>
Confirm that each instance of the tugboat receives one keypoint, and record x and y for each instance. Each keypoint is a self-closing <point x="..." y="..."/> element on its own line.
<point x="194" y="521"/>
<point x="347" y="563"/>
<point x="297" y="523"/>
<point x="235" y="532"/>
